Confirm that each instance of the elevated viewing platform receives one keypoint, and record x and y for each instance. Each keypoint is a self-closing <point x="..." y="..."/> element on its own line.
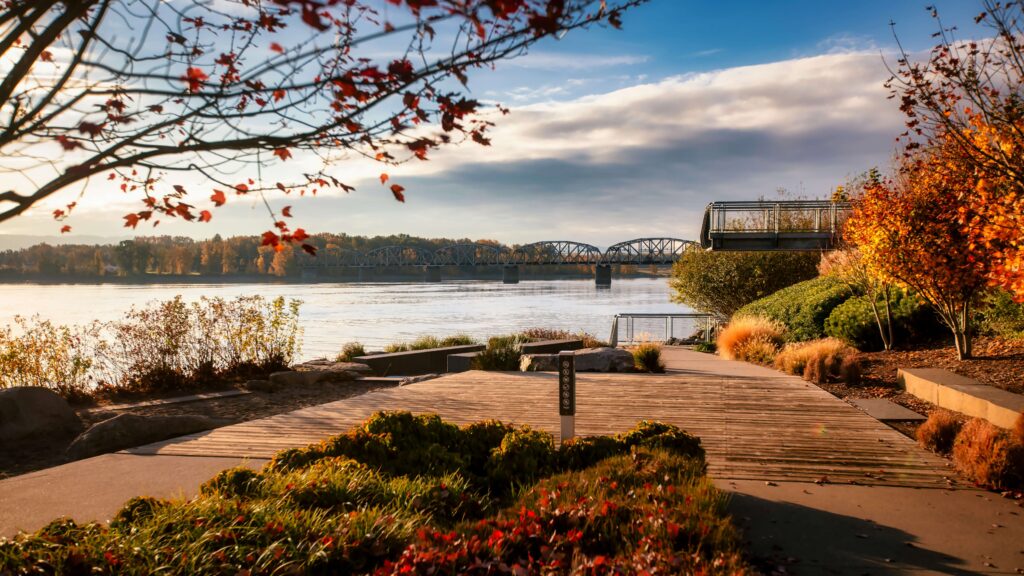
<point x="773" y="225"/>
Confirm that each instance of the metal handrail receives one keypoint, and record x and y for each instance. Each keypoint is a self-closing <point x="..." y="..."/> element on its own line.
<point x="710" y="322"/>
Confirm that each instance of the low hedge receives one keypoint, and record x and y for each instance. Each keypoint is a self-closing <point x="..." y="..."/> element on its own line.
<point x="802" y="307"/>
<point x="854" y="323"/>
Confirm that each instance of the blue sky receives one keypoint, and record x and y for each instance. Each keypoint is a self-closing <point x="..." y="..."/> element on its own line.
<point x="620" y="134"/>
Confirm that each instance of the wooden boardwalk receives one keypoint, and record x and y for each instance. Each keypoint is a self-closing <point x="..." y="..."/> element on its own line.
<point x="755" y="423"/>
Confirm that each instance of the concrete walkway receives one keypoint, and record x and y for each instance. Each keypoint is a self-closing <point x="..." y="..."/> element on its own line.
<point x="813" y="478"/>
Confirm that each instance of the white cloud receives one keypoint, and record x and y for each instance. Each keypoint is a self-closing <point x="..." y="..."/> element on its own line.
<point x="557" y="61"/>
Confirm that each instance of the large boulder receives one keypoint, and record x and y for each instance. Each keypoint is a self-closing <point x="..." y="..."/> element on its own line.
<point x="604" y="360"/>
<point x="32" y="410"/>
<point x="130" y="430"/>
<point x="538" y="363"/>
<point x="316" y="371"/>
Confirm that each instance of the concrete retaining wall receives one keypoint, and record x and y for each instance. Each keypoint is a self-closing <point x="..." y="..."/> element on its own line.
<point x="414" y="362"/>
<point x="960" y="394"/>
<point x="551" y="346"/>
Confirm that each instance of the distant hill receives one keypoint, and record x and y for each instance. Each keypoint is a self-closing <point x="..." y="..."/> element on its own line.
<point x="21" y="241"/>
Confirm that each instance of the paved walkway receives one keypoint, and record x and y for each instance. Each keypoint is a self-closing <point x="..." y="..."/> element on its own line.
<point x="813" y="477"/>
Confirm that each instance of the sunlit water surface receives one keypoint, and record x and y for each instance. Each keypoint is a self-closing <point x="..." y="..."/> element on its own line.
<point x="374" y="314"/>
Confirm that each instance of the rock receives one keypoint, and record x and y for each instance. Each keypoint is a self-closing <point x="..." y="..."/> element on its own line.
<point x="538" y="363"/>
<point x="323" y="364"/>
<point x="262" y="386"/>
<point x="308" y="377"/>
<point x="130" y="430"/>
<point x="32" y="410"/>
<point x="603" y="360"/>
<point x="415" y="379"/>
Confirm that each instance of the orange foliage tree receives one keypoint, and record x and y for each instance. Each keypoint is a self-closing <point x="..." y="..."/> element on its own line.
<point x="970" y="96"/>
<point x="134" y="93"/>
<point x="909" y="229"/>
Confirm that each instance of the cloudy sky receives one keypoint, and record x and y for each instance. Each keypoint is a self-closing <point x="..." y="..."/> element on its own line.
<point x="620" y="134"/>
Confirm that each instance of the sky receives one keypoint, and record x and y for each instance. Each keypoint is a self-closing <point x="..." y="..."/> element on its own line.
<point x="619" y="134"/>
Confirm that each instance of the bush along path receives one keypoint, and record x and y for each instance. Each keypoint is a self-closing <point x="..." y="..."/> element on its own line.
<point x="404" y="494"/>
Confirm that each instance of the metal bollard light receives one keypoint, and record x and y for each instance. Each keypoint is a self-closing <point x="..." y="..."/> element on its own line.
<point x="567" y="393"/>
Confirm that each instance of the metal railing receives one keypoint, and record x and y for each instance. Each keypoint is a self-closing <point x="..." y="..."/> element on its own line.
<point x="627" y="329"/>
<point x="771" y="219"/>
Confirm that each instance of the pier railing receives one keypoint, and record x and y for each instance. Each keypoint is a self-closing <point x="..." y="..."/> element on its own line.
<point x="628" y="328"/>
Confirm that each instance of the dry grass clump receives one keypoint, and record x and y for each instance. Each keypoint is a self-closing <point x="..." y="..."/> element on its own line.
<point x="751" y="338"/>
<point x="938" y="433"/>
<point x="820" y="361"/>
<point x="647" y="357"/>
<point x="989" y="455"/>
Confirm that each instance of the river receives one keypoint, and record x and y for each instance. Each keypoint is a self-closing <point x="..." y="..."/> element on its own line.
<point x="375" y="314"/>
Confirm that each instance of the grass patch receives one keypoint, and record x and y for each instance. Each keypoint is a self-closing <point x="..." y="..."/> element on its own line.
<point x="989" y="455"/>
<point x="751" y="338"/>
<point x="647" y="358"/>
<point x="589" y="340"/>
<point x="939" y="431"/>
<point x="502" y="353"/>
<point x="350" y="351"/>
<point x="820" y="361"/>
<point x="429" y="342"/>
<point x="407" y="493"/>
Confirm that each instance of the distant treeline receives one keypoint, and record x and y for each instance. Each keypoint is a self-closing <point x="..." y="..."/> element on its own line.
<point x="175" y="255"/>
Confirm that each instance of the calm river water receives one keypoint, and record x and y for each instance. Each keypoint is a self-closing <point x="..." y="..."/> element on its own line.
<point x="374" y="314"/>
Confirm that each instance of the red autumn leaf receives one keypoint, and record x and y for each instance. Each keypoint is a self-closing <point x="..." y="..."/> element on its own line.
<point x="241" y="188"/>
<point x="384" y="177"/>
<point x="397" y="191"/>
<point x="205" y="216"/>
<point x="46" y="56"/>
<point x="286" y="211"/>
<point x="278" y="95"/>
<point x="91" y="129"/>
<point x="195" y="78"/>
<point x="131" y="220"/>
<point x="156" y="108"/>
<point x="309" y="249"/>
<point x="270" y="239"/>
<point x="67" y="143"/>
<point x="276" y="47"/>
<point x="282" y="153"/>
<point x="65" y="229"/>
<point x="299" y="235"/>
<point x="179" y="189"/>
<point x="218" y="197"/>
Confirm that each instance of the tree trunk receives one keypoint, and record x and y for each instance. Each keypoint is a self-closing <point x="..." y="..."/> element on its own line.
<point x="888" y="319"/>
<point x="878" y="321"/>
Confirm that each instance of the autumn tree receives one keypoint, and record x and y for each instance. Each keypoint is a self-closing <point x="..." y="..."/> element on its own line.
<point x="908" y="229"/>
<point x="132" y="94"/>
<point x="970" y="95"/>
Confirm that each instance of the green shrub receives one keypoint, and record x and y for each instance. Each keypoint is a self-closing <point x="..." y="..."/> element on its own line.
<point x="523" y="456"/>
<point x="351" y="351"/>
<point x="430" y="342"/>
<point x="706" y="347"/>
<point x="802" y="307"/>
<point x="1002" y="316"/>
<point x="854" y="322"/>
<point x="647" y="358"/>
<point x="721" y="283"/>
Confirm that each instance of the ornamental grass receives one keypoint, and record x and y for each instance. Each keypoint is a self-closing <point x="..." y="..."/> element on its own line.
<point x="414" y="494"/>
<point x="989" y="455"/>
<point x="647" y="358"/>
<point x="820" y="361"/>
<point x="751" y="338"/>
<point x="938" y="432"/>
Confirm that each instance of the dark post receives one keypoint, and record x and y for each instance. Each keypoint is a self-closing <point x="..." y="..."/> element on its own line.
<point x="567" y="393"/>
<point x="603" y="275"/>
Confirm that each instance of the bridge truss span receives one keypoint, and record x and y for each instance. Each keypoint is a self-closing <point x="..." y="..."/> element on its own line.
<point x="471" y="255"/>
<point x="647" y="251"/>
<point x="556" y="252"/>
<point x="397" y="256"/>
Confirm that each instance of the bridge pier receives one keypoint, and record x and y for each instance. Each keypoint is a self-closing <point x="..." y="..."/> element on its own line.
<point x="510" y="274"/>
<point x="432" y="273"/>
<point x="365" y="274"/>
<point x="603" y="275"/>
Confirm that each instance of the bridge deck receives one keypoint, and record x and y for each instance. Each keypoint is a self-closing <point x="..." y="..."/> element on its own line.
<point x="755" y="423"/>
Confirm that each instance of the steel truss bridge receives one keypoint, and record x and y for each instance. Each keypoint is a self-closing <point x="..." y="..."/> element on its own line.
<point x="640" y="251"/>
